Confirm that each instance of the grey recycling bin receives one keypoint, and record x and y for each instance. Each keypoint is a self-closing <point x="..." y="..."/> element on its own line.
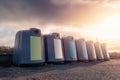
<point x="81" y="50"/>
<point x="91" y="51"/>
<point x="105" y="51"/>
<point x="53" y="48"/>
<point x="28" y="47"/>
<point x="98" y="50"/>
<point x="69" y="49"/>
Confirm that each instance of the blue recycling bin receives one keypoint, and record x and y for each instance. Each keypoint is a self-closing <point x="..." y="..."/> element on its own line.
<point x="53" y="48"/>
<point x="69" y="49"/>
<point x="81" y="50"/>
<point x="29" y="47"/>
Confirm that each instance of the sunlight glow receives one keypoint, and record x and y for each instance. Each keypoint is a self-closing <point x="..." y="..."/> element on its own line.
<point x="107" y="29"/>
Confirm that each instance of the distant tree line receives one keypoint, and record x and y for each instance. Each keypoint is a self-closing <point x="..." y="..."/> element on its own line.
<point x="6" y="50"/>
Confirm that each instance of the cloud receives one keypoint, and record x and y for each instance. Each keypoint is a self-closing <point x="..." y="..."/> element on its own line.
<point x="28" y="10"/>
<point x="113" y="4"/>
<point x="66" y="12"/>
<point x="74" y="2"/>
<point x="62" y="14"/>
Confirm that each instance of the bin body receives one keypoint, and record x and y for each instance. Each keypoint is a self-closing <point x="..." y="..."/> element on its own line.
<point x="69" y="49"/>
<point x="91" y="51"/>
<point x="98" y="51"/>
<point x="53" y="48"/>
<point x="81" y="50"/>
<point x="105" y="52"/>
<point x="29" y="47"/>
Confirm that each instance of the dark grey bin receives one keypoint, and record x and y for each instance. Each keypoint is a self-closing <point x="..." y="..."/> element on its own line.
<point x="53" y="48"/>
<point x="91" y="51"/>
<point x="99" y="52"/>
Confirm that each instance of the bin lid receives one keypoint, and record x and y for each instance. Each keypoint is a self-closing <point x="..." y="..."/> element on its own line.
<point x="35" y="30"/>
<point x="56" y="35"/>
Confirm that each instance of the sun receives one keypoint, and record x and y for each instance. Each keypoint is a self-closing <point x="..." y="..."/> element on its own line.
<point x="107" y="29"/>
<point x="113" y="20"/>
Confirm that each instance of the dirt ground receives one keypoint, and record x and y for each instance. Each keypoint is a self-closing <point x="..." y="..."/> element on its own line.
<point x="108" y="70"/>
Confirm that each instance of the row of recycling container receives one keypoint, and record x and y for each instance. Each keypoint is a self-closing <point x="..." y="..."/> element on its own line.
<point x="31" y="47"/>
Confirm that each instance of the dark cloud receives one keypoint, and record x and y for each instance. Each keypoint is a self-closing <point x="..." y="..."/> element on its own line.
<point x="19" y="10"/>
<point x="12" y="10"/>
<point x="66" y="12"/>
<point x="45" y="11"/>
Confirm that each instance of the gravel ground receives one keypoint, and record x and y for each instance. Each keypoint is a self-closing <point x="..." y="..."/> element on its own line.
<point x="108" y="70"/>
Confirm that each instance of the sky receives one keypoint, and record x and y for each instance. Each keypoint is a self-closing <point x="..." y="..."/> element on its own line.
<point x="89" y="19"/>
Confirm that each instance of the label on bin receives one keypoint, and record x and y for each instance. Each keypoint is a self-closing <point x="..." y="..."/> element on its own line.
<point x="58" y="49"/>
<point x="35" y="48"/>
<point x="72" y="50"/>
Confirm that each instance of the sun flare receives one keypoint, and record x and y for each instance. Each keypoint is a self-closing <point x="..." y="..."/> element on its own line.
<point x="108" y="29"/>
<point x="113" y="21"/>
